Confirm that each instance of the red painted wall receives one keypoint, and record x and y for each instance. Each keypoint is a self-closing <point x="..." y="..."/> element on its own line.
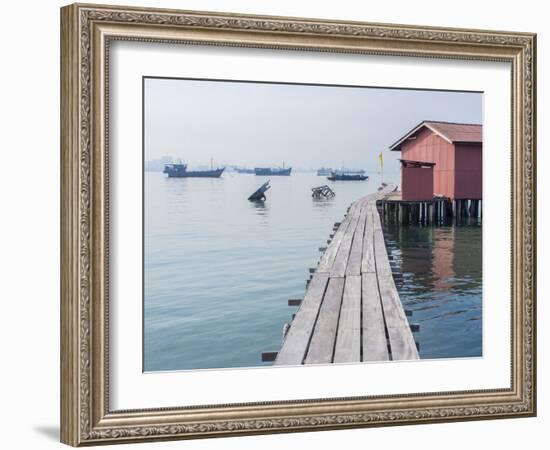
<point x="418" y="183"/>
<point x="458" y="168"/>
<point x="430" y="147"/>
<point x="468" y="171"/>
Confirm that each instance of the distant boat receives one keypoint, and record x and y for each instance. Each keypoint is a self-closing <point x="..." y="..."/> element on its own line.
<point x="244" y="170"/>
<point x="348" y="176"/>
<point x="174" y="170"/>
<point x="323" y="172"/>
<point x="180" y="171"/>
<point x="276" y="171"/>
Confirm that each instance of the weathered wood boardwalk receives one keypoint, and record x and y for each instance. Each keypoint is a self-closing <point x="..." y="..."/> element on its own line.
<point x="351" y="310"/>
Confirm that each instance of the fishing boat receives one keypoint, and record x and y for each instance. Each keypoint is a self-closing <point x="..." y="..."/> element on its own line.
<point x="174" y="170"/>
<point x="272" y="171"/>
<point x="338" y="175"/>
<point x="180" y="171"/>
<point x="323" y="172"/>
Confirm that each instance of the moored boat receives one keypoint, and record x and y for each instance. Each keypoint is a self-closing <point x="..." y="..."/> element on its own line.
<point x="347" y="176"/>
<point x="174" y="170"/>
<point x="275" y="171"/>
<point x="180" y="171"/>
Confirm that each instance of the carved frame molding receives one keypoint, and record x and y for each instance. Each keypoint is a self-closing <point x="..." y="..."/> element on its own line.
<point x="86" y="31"/>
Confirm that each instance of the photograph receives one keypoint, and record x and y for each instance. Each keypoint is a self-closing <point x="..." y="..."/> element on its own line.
<point x="288" y="224"/>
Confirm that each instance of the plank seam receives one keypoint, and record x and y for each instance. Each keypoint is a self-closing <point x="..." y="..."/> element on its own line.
<point x="310" y="337"/>
<point x="353" y="225"/>
<point x="390" y="355"/>
<point x="361" y="353"/>
<point x="338" y="322"/>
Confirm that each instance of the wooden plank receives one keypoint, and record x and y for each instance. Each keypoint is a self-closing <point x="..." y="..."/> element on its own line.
<point x="321" y="348"/>
<point x="341" y="261"/>
<point x="402" y="343"/>
<point x="269" y="356"/>
<point x="377" y="225"/>
<point x="327" y="260"/>
<point x="297" y="339"/>
<point x="367" y="261"/>
<point x="356" y="253"/>
<point x="348" y="338"/>
<point x="382" y="261"/>
<point x="375" y="347"/>
<point x="403" y="346"/>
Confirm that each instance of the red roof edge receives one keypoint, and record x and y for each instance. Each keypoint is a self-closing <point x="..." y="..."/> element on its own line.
<point x="450" y="131"/>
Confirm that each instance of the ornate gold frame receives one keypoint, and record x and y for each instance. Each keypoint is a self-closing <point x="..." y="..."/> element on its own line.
<point x="86" y="31"/>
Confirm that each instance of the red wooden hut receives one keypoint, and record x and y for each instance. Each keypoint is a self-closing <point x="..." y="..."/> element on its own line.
<point x="454" y="149"/>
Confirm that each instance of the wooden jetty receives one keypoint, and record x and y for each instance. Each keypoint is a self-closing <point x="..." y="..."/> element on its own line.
<point x="351" y="310"/>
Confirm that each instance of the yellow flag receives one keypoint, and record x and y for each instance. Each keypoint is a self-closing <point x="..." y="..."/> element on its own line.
<point x="381" y="161"/>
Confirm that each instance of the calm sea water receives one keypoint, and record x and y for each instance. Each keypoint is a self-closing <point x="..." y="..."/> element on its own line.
<point x="218" y="269"/>
<point x="442" y="285"/>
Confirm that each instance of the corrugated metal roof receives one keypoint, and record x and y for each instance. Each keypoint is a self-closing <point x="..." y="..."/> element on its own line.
<point x="451" y="132"/>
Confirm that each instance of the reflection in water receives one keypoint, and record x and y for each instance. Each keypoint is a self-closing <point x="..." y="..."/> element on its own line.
<point x="260" y="208"/>
<point x="322" y="202"/>
<point x="441" y="284"/>
<point x="442" y="258"/>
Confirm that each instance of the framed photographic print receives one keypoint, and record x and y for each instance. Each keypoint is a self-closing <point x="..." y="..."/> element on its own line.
<point x="275" y="224"/>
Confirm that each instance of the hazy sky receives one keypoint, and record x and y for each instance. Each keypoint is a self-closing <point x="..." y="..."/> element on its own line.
<point x="255" y="124"/>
